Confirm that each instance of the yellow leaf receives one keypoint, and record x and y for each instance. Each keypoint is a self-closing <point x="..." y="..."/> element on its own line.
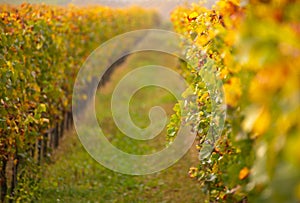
<point x="262" y="123"/>
<point x="233" y="91"/>
<point x="257" y="120"/>
<point x="9" y="64"/>
<point x="204" y="97"/>
<point x="252" y="114"/>
<point x="193" y="172"/>
<point x="193" y="16"/>
<point x="224" y="73"/>
<point x="45" y="120"/>
<point x="39" y="45"/>
<point x="10" y="141"/>
<point x="15" y="161"/>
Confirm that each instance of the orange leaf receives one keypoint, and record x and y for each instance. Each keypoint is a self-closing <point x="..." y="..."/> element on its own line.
<point x="244" y="173"/>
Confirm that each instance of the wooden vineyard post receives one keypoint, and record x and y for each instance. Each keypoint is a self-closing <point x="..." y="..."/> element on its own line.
<point x="62" y="128"/>
<point x="3" y="178"/>
<point x="45" y="144"/>
<point x="14" y="180"/>
<point x="56" y="136"/>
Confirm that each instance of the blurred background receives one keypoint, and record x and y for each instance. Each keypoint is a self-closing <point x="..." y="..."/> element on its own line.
<point x="164" y="7"/>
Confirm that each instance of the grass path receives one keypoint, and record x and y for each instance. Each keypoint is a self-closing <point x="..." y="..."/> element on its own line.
<point x="73" y="176"/>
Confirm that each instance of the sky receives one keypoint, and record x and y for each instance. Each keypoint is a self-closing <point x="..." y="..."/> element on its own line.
<point x="163" y="6"/>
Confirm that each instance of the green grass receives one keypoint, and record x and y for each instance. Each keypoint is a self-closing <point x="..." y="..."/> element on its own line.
<point x="74" y="176"/>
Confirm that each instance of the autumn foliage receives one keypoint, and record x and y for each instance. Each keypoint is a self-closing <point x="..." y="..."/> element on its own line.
<point x="42" y="49"/>
<point x="256" y="52"/>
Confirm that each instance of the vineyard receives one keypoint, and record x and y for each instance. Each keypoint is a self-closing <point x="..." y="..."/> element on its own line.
<point x="42" y="49"/>
<point x="253" y="48"/>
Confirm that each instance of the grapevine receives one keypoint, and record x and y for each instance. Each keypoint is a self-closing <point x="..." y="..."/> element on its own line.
<point x="256" y="49"/>
<point x="42" y="49"/>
